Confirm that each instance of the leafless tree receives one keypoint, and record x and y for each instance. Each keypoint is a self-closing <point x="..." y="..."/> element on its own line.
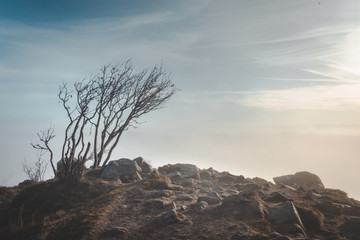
<point x="45" y="137"/>
<point x="107" y="105"/>
<point x="37" y="171"/>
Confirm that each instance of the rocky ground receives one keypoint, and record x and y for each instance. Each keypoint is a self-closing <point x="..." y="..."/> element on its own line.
<point x="181" y="201"/>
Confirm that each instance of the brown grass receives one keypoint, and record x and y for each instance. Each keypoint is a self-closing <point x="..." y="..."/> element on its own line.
<point x="55" y="210"/>
<point x="160" y="183"/>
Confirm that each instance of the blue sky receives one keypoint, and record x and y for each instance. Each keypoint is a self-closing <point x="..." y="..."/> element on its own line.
<point x="266" y="87"/>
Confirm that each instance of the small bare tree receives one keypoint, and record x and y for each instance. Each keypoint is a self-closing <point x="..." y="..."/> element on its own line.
<point x="37" y="171"/>
<point x="45" y="137"/>
<point x="108" y="104"/>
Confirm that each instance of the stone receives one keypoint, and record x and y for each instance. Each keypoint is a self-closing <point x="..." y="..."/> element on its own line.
<point x="215" y="195"/>
<point x="227" y="177"/>
<point x="113" y="184"/>
<point x="155" y="174"/>
<point x="116" y="233"/>
<point x="26" y="183"/>
<point x="275" y="197"/>
<point x="145" y="167"/>
<point x="201" y="206"/>
<point x="305" y="179"/>
<point x="172" y="216"/>
<point x="312" y="220"/>
<point x="205" y="175"/>
<point x="188" y="183"/>
<point x="233" y="200"/>
<point x="286" y="219"/>
<point x="238" y="205"/>
<point x="209" y="200"/>
<point x="184" y="197"/>
<point x="125" y="169"/>
<point x="328" y="209"/>
<point x="186" y="170"/>
<point x="351" y="226"/>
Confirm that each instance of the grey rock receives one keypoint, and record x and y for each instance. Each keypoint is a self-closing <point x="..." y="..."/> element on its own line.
<point x="351" y="225"/>
<point x="116" y="233"/>
<point x="155" y="174"/>
<point x="172" y="216"/>
<point x="201" y="206"/>
<point x="275" y="197"/>
<point x="145" y="167"/>
<point x="209" y="200"/>
<point x="286" y="219"/>
<point x="215" y="195"/>
<point x="125" y="169"/>
<point x="205" y="175"/>
<point x="304" y="179"/>
<point x="184" y="197"/>
<point x="113" y="184"/>
<point x="329" y="210"/>
<point x="233" y="200"/>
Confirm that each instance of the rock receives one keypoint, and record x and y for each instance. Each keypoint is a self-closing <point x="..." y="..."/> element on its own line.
<point x="173" y="174"/>
<point x="116" y="233"/>
<point x="145" y="167"/>
<point x="215" y="195"/>
<point x="275" y="197"/>
<point x="209" y="200"/>
<point x="160" y="193"/>
<point x="239" y="206"/>
<point x="351" y="227"/>
<point x="186" y="170"/>
<point x="329" y="210"/>
<point x="352" y="211"/>
<point x="313" y="195"/>
<point x="286" y="219"/>
<point x="227" y="177"/>
<point x="246" y="186"/>
<point x="113" y="184"/>
<point x="201" y="206"/>
<point x="26" y="183"/>
<point x="155" y="174"/>
<point x="172" y="216"/>
<point x="312" y="220"/>
<point x="124" y="168"/>
<point x="184" y="197"/>
<point x="188" y="183"/>
<point x="304" y="179"/>
<point x="281" y="238"/>
<point x="157" y="203"/>
<point x="205" y="175"/>
<point x="233" y="200"/>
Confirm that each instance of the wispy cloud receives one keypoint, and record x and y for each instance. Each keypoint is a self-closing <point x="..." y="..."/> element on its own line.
<point x="329" y="97"/>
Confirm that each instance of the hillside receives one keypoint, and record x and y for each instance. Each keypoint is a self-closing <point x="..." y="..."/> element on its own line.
<point x="131" y="200"/>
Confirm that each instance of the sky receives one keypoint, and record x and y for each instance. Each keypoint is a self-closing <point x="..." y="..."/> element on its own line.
<point x="266" y="88"/>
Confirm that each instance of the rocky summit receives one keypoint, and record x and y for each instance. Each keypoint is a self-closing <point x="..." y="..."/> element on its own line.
<point x="129" y="199"/>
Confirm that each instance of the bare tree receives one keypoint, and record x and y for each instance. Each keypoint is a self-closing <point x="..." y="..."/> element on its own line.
<point x="45" y="137"/>
<point x="107" y="105"/>
<point x="37" y="171"/>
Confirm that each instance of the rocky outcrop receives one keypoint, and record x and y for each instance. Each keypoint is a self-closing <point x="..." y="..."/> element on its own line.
<point x="300" y="179"/>
<point x="180" y="201"/>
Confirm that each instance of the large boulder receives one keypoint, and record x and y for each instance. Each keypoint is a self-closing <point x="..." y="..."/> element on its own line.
<point x="124" y="169"/>
<point x="286" y="219"/>
<point x="182" y="169"/>
<point x="303" y="179"/>
<point x="145" y="167"/>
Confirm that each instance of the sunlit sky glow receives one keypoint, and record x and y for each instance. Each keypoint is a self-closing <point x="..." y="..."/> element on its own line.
<point x="266" y="87"/>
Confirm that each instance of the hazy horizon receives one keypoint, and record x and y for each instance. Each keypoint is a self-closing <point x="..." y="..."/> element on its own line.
<point x="267" y="88"/>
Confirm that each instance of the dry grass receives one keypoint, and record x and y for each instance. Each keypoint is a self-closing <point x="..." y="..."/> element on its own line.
<point x="161" y="183"/>
<point x="55" y="210"/>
